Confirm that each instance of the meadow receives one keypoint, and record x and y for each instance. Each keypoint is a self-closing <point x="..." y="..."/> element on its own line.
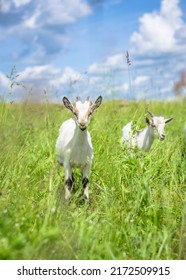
<point x="137" y="204"/>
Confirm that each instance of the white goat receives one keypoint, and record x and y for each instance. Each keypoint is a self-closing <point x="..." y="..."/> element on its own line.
<point x="143" y="139"/>
<point x="74" y="146"/>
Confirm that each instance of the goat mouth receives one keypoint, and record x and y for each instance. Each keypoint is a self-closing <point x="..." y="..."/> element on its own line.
<point x="162" y="138"/>
<point x="83" y="128"/>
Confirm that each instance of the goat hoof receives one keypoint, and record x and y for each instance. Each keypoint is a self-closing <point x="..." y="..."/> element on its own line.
<point x="86" y="197"/>
<point x="67" y="194"/>
<point x="86" y="193"/>
<point x="84" y="201"/>
<point x="87" y="203"/>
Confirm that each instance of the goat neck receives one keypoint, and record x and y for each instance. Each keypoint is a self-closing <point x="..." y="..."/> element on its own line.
<point x="145" y="138"/>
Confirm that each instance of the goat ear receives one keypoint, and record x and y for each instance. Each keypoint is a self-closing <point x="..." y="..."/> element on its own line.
<point x="97" y="103"/>
<point x="147" y="121"/>
<point x="67" y="103"/>
<point x="168" y="120"/>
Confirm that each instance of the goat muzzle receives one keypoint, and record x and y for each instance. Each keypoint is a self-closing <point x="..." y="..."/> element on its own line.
<point x="82" y="127"/>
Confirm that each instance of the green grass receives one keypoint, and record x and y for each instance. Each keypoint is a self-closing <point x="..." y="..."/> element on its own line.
<point x="138" y="202"/>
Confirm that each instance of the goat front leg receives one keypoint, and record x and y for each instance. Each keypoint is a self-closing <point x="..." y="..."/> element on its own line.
<point x="69" y="181"/>
<point x="85" y="180"/>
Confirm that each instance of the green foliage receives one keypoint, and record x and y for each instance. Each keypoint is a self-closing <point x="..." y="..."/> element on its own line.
<point x="138" y="201"/>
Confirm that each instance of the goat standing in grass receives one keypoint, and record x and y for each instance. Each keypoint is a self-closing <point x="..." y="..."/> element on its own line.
<point x="143" y="139"/>
<point x="74" y="146"/>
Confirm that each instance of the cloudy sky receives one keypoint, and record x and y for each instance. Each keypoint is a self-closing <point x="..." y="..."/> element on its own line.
<point x="78" y="47"/>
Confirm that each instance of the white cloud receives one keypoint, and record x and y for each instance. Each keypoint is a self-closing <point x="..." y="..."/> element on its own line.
<point x="19" y="3"/>
<point x="113" y="62"/>
<point x="43" y="72"/>
<point x="145" y="62"/>
<point x="167" y="87"/>
<point x="122" y="88"/>
<point x="52" y="11"/>
<point x="56" y="12"/>
<point x="96" y="67"/>
<point x="8" y="4"/>
<point x="31" y="21"/>
<point x="40" y="26"/>
<point x="46" y="75"/>
<point x="94" y="80"/>
<point x="4" y="81"/>
<point x="66" y="11"/>
<point x="159" y="31"/>
<point x="47" y="78"/>
<point x="5" y="6"/>
<point x="69" y="75"/>
<point x="141" y="79"/>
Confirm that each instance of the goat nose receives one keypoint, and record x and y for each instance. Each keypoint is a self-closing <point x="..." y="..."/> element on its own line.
<point x="162" y="136"/>
<point x="82" y="127"/>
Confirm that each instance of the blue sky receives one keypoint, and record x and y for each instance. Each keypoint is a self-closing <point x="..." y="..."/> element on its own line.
<point x="78" y="47"/>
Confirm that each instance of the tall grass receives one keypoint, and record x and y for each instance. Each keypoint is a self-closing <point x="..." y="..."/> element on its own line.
<point x="138" y="202"/>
